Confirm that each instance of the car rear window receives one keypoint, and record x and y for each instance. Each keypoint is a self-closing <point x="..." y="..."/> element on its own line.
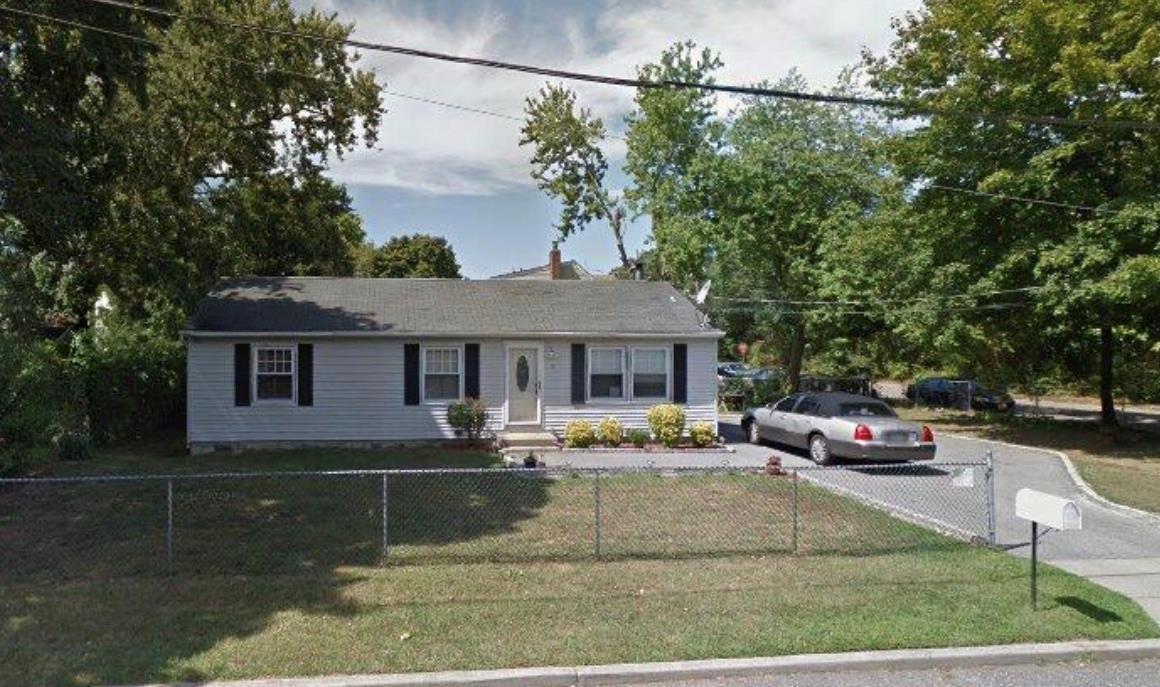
<point x="868" y="409"/>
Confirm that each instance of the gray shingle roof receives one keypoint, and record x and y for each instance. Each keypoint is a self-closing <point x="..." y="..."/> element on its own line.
<point x="445" y="306"/>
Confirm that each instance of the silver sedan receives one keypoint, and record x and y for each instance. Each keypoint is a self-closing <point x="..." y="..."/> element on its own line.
<point x="837" y="425"/>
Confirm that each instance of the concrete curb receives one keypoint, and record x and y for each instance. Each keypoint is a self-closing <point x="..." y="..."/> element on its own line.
<point x="1076" y="478"/>
<point x="638" y="673"/>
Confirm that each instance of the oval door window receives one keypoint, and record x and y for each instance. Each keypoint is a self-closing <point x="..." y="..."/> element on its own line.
<point x="522" y="373"/>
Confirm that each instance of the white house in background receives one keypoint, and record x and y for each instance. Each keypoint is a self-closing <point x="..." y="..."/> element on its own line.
<point x="333" y="361"/>
<point x="556" y="268"/>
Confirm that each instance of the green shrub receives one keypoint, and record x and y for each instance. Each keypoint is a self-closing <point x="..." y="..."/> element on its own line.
<point x="133" y="380"/>
<point x="703" y="434"/>
<point x="36" y="387"/>
<point x="579" y="434"/>
<point x="468" y="417"/>
<point x="72" y="445"/>
<point x="667" y="422"/>
<point x="638" y="438"/>
<point x="610" y="432"/>
<point x="754" y="393"/>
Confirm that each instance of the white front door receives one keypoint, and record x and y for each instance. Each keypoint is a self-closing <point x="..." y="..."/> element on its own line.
<point x="523" y="386"/>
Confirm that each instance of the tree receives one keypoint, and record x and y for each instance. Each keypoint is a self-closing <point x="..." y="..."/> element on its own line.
<point x="419" y="255"/>
<point x="1072" y="60"/>
<point x="568" y="164"/>
<point x="123" y="158"/>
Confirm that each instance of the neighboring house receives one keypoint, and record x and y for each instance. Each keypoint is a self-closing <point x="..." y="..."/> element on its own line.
<point x="319" y="360"/>
<point x="555" y="269"/>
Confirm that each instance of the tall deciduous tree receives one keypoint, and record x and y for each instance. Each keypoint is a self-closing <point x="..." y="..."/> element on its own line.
<point x="1069" y="59"/>
<point x="569" y="165"/>
<point x="121" y="157"/>
<point x="418" y="255"/>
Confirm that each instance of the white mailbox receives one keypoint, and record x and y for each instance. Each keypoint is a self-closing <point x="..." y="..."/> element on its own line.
<point x="1045" y="509"/>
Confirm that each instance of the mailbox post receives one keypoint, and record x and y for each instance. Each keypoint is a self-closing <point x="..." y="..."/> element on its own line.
<point x="1052" y="511"/>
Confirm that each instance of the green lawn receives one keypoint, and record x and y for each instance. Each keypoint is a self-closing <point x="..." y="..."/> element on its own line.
<point x="1124" y="468"/>
<point x="493" y="571"/>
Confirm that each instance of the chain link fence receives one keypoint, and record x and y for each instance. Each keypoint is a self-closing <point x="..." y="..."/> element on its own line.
<point x="301" y="522"/>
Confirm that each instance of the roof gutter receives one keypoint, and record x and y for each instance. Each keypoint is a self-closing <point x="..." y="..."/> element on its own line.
<point x="201" y="334"/>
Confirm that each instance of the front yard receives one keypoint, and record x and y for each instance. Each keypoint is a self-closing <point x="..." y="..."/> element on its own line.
<point x="486" y="574"/>
<point x="1125" y="470"/>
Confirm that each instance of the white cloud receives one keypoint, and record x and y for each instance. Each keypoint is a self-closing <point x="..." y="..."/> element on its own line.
<point x="436" y="150"/>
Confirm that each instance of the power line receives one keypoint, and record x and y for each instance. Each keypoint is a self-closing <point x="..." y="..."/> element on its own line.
<point x="992" y="307"/>
<point x="882" y="301"/>
<point x="906" y="107"/>
<point x="476" y="110"/>
<point x="277" y="70"/>
<point x="1023" y="199"/>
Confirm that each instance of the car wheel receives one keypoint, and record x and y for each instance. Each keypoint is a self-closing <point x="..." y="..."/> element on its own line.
<point x="820" y="450"/>
<point x="752" y="434"/>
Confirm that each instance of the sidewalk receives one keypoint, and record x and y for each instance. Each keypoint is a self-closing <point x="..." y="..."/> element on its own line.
<point x="859" y="665"/>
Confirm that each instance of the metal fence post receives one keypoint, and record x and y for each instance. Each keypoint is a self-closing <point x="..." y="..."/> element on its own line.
<point x="596" y="510"/>
<point x="990" y="471"/>
<point x="386" y="532"/>
<point x="169" y="524"/>
<point x="795" y="511"/>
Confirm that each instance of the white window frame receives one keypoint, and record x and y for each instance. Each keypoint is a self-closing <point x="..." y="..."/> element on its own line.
<point x="668" y="373"/>
<point x="458" y="348"/>
<point x="624" y="382"/>
<point x="293" y="349"/>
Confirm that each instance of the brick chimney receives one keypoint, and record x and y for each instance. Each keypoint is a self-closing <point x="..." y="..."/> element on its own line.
<point x="554" y="262"/>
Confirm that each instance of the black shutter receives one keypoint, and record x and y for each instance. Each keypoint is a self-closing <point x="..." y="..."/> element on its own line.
<point x="305" y="374"/>
<point x="471" y="371"/>
<point x="680" y="373"/>
<point x="242" y="374"/>
<point x="579" y="363"/>
<point x="411" y="374"/>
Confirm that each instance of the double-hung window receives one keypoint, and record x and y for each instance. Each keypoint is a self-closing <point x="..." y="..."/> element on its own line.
<point x="274" y="373"/>
<point x="606" y="373"/>
<point x="650" y="373"/>
<point x="442" y="374"/>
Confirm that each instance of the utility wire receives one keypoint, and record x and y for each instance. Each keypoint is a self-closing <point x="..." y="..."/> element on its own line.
<point x="1023" y="199"/>
<point x="883" y="301"/>
<point x="992" y="307"/>
<point x="909" y="108"/>
<point x="476" y="110"/>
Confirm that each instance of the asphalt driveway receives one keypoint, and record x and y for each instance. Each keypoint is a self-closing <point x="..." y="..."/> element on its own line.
<point x="1115" y="549"/>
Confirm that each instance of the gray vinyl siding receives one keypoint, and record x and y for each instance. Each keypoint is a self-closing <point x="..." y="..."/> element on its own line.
<point x="702" y="386"/>
<point x="358" y="392"/>
<point x="358" y="396"/>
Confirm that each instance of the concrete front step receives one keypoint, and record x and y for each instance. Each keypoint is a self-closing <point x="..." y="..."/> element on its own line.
<point x="526" y="439"/>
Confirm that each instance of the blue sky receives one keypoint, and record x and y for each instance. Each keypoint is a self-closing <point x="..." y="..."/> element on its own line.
<point x="463" y="176"/>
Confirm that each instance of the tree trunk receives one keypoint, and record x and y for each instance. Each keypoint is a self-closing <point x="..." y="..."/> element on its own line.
<point x="797" y="350"/>
<point x="616" y="221"/>
<point x="1107" y="357"/>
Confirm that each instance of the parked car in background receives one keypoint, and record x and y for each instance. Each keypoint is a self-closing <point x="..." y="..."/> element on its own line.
<point x="733" y="369"/>
<point x="761" y="374"/>
<point x="964" y="394"/>
<point x="835" y="425"/>
<point x="851" y="385"/>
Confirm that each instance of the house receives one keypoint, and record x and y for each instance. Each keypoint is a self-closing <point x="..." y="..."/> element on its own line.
<point x="350" y="361"/>
<point x="556" y="268"/>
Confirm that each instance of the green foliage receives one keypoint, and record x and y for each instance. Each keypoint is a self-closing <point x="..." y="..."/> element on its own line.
<point x="1098" y="272"/>
<point x="667" y="422"/>
<point x="72" y="445"/>
<point x="132" y="378"/>
<point x="755" y="392"/>
<point x="469" y="417"/>
<point x="610" y="432"/>
<point x="155" y="168"/>
<point x="579" y="434"/>
<point x="638" y="438"/>
<point x="568" y="164"/>
<point x="419" y="255"/>
<point x="35" y="386"/>
<point x="703" y="434"/>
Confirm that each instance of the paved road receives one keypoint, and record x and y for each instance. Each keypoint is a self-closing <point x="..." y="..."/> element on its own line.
<point x="1100" y="674"/>
<point x="1119" y="551"/>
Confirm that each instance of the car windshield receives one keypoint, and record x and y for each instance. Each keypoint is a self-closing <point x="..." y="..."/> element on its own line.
<point x="867" y="409"/>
